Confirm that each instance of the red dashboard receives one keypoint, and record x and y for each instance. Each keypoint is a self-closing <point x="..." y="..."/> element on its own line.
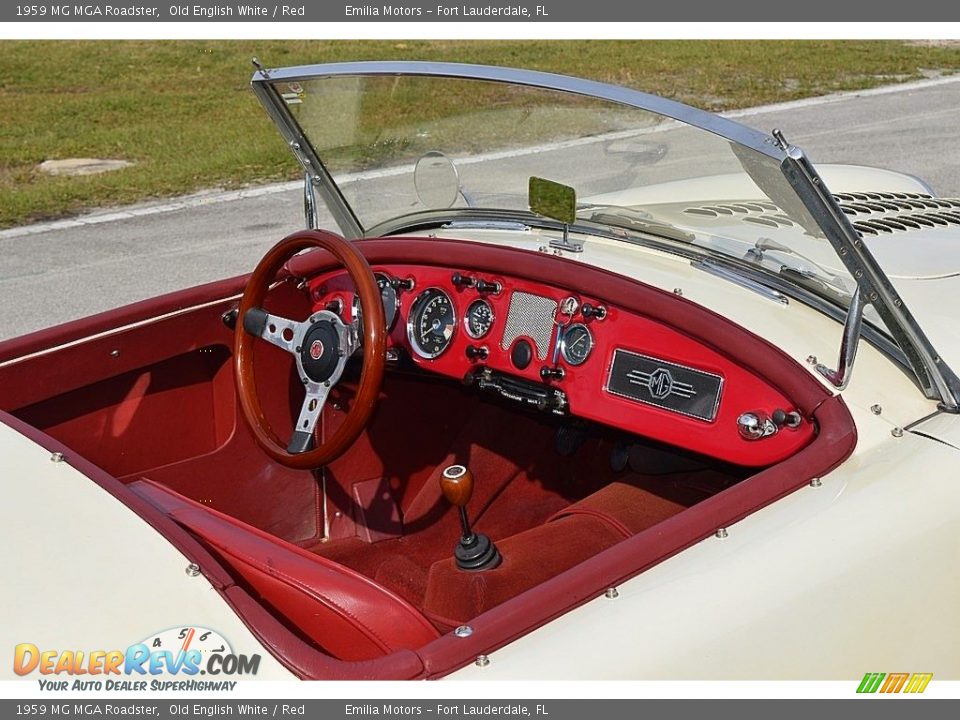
<point x="575" y="354"/>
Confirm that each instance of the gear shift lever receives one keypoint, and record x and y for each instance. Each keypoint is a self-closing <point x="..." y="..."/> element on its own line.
<point x="474" y="551"/>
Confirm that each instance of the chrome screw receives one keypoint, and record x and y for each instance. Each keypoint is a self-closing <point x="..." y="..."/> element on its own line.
<point x="463" y="631"/>
<point x="721" y="533"/>
<point x="114" y="353"/>
<point x="57" y="457"/>
<point x="192" y="570"/>
<point x="816" y="482"/>
<point x="811" y="359"/>
<point x="678" y="291"/>
<point x="876" y="409"/>
<point x="897" y="432"/>
<point x="611" y="593"/>
<point x="482" y="661"/>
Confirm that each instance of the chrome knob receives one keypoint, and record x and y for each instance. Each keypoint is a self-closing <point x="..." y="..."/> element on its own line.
<point x="755" y="426"/>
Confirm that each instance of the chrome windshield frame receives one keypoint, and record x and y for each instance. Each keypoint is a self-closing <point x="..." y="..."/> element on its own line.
<point x="935" y="378"/>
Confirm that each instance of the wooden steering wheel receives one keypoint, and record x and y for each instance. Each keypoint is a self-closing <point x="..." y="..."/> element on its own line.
<point x="320" y="345"/>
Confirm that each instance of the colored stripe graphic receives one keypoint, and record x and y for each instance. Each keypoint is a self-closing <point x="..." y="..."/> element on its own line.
<point x="918" y="682"/>
<point x="894" y="683"/>
<point x="870" y="682"/>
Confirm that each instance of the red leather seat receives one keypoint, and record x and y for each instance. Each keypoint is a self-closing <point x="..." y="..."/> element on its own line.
<point x="345" y="613"/>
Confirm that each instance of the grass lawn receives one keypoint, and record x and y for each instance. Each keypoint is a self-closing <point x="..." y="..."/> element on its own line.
<point x="184" y="113"/>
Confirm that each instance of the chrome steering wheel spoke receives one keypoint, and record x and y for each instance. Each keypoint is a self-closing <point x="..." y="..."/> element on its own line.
<point x="321" y="346"/>
<point x="276" y="330"/>
<point x="310" y="410"/>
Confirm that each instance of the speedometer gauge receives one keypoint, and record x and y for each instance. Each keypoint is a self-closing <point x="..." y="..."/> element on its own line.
<point x="431" y="323"/>
<point x="479" y="319"/>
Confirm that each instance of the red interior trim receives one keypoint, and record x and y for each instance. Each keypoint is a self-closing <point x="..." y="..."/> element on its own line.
<point x="497" y="627"/>
<point x="353" y="617"/>
<point x="553" y="598"/>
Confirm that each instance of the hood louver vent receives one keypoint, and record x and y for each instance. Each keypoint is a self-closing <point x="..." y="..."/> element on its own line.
<point x="765" y="214"/>
<point x="872" y="213"/>
<point x="879" y="213"/>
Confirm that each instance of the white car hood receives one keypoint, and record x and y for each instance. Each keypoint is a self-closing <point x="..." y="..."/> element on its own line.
<point x="910" y="233"/>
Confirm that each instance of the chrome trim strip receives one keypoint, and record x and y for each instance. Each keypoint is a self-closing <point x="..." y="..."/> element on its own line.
<point x="548" y="81"/>
<point x="744" y="282"/>
<point x="117" y="331"/>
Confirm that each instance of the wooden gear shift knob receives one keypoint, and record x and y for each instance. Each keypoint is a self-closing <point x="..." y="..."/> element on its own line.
<point x="456" y="484"/>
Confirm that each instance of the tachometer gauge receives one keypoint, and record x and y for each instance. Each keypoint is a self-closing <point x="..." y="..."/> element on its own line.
<point x="388" y="296"/>
<point x="576" y="344"/>
<point x="431" y="323"/>
<point x="479" y="319"/>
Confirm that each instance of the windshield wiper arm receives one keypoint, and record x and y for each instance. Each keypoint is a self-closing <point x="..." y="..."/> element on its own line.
<point x="628" y="219"/>
<point x="827" y="277"/>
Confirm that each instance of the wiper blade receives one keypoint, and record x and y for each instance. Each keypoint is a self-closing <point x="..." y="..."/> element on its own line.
<point x="635" y="220"/>
<point x="825" y="276"/>
<point x="806" y="278"/>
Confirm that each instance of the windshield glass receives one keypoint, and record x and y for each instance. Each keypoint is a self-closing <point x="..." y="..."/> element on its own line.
<point x="634" y="170"/>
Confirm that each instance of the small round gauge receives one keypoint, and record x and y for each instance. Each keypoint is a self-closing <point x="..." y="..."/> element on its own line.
<point x="479" y="319"/>
<point x="576" y="344"/>
<point x="431" y="323"/>
<point x="388" y="296"/>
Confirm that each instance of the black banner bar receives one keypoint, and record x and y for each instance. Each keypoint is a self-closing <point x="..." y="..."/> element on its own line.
<point x="474" y="11"/>
<point x="164" y="709"/>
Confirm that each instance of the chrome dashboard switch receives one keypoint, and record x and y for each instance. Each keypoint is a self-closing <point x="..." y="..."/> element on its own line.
<point x="756" y="425"/>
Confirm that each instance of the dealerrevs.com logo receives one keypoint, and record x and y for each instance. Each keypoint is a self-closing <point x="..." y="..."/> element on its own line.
<point x="168" y="660"/>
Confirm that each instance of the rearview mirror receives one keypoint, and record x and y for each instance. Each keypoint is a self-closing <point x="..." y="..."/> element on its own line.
<point x="553" y="200"/>
<point x="436" y="180"/>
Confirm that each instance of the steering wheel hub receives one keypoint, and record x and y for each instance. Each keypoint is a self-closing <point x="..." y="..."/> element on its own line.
<point x="320" y="353"/>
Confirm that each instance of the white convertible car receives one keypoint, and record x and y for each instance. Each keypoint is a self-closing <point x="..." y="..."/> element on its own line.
<point x="588" y="384"/>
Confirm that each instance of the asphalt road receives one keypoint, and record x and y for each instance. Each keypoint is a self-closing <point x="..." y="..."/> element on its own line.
<point x="53" y="273"/>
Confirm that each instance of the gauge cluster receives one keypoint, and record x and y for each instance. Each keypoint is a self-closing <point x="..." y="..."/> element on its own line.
<point x="547" y="348"/>
<point x="455" y="321"/>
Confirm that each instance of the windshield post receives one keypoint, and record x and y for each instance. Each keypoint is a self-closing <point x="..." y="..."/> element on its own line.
<point x="840" y="377"/>
<point x="936" y="378"/>
<point x="309" y="202"/>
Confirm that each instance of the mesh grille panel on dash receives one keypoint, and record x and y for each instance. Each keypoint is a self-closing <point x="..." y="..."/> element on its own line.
<point x="530" y="315"/>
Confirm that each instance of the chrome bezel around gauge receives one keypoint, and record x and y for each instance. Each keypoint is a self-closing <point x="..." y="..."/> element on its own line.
<point x="391" y="316"/>
<point x="415" y="309"/>
<point x="564" y="348"/>
<point x="466" y="319"/>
